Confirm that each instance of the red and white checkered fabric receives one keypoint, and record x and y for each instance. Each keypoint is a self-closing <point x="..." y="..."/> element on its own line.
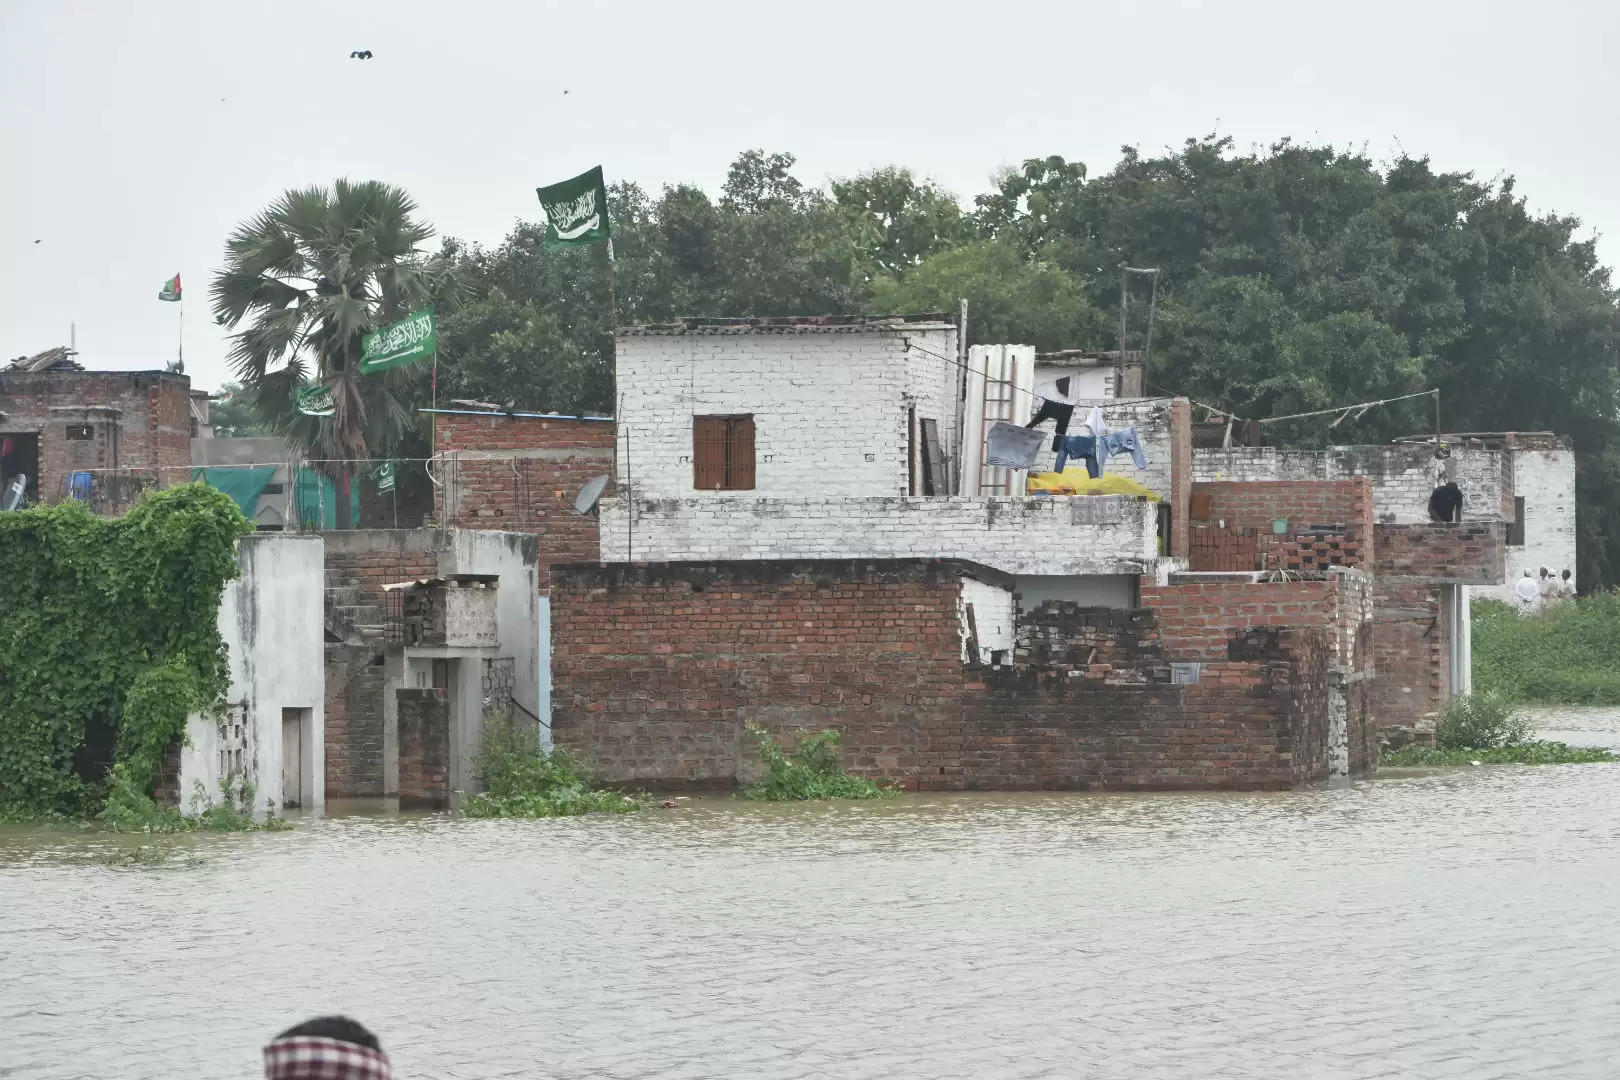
<point x="306" y="1057"/>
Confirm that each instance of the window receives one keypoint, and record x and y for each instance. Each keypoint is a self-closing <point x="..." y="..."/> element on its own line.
<point x="80" y="432"/>
<point x="723" y="453"/>
<point x="1515" y="531"/>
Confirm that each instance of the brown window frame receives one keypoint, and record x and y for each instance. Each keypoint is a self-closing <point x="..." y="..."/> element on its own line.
<point x="724" y="454"/>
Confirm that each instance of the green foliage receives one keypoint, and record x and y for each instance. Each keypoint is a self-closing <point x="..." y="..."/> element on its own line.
<point x="1566" y="654"/>
<point x="1535" y="752"/>
<point x="525" y="780"/>
<point x="129" y="809"/>
<point x="108" y="625"/>
<point x="812" y="771"/>
<point x="1481" y="721"/>
<point x="233" y="416"/>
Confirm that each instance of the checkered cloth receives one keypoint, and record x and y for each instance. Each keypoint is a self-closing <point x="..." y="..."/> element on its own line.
<point x="305" y="1057"/>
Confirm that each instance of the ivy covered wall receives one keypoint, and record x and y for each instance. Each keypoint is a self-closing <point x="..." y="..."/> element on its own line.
<point x="108" y="640"/>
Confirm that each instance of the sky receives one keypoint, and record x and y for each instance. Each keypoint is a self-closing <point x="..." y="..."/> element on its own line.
<point x="134" y="137"/>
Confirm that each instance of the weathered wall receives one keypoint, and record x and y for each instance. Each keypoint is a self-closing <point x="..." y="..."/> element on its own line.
<point x="1412" y="653"/>
<point x="424" y="749"/>
<point x="1197" y="620"/>
<point x="1102" y="590"/>
<point x="140" y="421"/>
<point x="994" y="619"/>
<point x="271" y="620"/>
<point x="829" y="403"/>
<point x="1230" y="516"/>
<point x="355" y="688"/>
<point x="1459" y="553"/>
<point x="1093" y="535"/>
<point x="1544" y="474"/>
<point x="522" y="474"/>
<point x="660" y="666"/>
<point x="1402" y="475"/>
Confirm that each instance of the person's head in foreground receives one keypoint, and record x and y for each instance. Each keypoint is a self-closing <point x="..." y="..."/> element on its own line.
<point x="326" y="1048"/>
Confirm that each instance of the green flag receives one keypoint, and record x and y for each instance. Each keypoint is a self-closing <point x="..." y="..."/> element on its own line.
<point x="413" y="338"/>
<point x="386" y="475"/>
<point x="576" y="211"/>
<point x="316" y="401"/>
<point x="171" y="290"/>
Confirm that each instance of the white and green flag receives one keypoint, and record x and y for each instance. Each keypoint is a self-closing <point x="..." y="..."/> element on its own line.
<point x="576" y="211"/>
<point x="316" y="401"/>
<point x="413" y="338"/>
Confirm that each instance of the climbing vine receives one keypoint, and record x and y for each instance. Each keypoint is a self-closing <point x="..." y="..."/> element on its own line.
<point x="108" y="639"/>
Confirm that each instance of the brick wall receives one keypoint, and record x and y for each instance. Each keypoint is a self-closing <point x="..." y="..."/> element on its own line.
<point x="528" y="484"/>
<point x="368" y="559"/>
<point x="1108" y="534"/>
<point x="1196" y="621"/>
<point x="1412" y="654"/>
<point x="140" y="429"/>
<point x="1403" y="475"/>
<point x="1183" y="475"/>
<point x="1216" y="549"/>
<point x="1463" y="553"/>
<point x="658" y="667"/>
<point x="1345" y="504"/>
<point x="354" y="721"/>
<point x="424" y="749"/>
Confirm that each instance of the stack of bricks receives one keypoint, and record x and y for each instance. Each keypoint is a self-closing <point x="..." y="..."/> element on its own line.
<point x="1060" y="636"/>
<point x="1314" y="552"/>
<point x="1217" y="549"/>
<point x="522" y="474"/>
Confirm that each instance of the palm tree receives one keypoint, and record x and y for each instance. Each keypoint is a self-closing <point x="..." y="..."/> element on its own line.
<point x="312" y="274"/>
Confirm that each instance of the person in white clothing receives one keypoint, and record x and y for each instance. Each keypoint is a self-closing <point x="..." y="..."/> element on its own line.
<point x="1527" y="592"/>
<point x="1566" y="587"/>
<point x="1548" y="587"/>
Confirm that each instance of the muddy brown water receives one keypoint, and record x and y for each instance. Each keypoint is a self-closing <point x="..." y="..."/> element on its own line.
<point x="1453" y="924"/>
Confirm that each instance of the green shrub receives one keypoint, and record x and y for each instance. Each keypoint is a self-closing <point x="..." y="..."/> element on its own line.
<point x="1481" y="721"/>
<point x="129" y="809"/>
<point x="1566" y="654"/>
<point x="814" y="770"/>
<point x="525" y="780"/>
<point x="1529" y="753"/>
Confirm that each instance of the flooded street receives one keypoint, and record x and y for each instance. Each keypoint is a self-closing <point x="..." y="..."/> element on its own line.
<point x="1460" y="924"/>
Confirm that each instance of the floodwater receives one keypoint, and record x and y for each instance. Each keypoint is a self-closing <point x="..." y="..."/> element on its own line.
<point x="1455" y="924"/>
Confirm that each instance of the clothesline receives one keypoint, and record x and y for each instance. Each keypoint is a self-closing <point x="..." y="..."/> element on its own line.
<point x="1363" y="406"/>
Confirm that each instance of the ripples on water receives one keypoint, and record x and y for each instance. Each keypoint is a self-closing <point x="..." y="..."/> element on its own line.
<point x="1452" y="924"/>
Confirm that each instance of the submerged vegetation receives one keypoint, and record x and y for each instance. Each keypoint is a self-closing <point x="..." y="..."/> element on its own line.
<point x="525" y="780"/>
<point x="812" y="771"/>
<point x="1485" y="729"/>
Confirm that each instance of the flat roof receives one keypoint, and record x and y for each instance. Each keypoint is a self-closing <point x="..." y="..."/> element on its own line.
<point x="790" y="324"/>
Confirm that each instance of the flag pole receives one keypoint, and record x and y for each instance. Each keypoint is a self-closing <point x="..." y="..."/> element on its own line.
<point x="613" y="285"/>
<point x="180" y="336"/>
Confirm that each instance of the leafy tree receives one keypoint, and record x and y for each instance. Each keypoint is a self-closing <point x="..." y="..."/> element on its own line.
<point x="233" y="416"/>
<point x="310" y="275"/>
<point x="899" y="221"/>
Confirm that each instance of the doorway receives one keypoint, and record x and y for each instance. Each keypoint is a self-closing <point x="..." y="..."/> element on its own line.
<point x="294" y="748"/>
<point x="20" y="454"/>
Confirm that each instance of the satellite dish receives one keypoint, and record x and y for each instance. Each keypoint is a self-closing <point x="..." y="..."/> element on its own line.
<point x="590" y="494"/>
<point x="14" y="493"/>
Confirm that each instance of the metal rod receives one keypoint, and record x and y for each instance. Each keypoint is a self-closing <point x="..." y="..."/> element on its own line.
<point x="1153" y="303"/>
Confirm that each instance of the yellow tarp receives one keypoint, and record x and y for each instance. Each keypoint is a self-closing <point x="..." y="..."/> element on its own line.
<point x="1076" y="481"/>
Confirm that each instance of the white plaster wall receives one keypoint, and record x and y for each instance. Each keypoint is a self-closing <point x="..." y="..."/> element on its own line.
<point x="829" y="408"/>
<point x="1403" y="475"/>
<point x="994" y="616"/>
<point x="1088" y="382"/>
<point x="1099" y="590"/>
<point x="512" y="558"/>
<point x="273" y="624"/>
<point x="1546" y="479"/>
<point x="1081" y="535"/>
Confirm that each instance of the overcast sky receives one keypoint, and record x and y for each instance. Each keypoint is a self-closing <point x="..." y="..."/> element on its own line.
<point x="135" y="136"/>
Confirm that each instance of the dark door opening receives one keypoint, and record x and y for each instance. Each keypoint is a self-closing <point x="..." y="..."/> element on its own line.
<point x="20" y="454"/>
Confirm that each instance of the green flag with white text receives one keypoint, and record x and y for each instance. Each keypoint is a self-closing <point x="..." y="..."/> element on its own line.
<point x="576" y="211"/>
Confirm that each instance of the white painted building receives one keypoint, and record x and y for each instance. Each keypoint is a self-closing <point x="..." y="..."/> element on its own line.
<point x="272" y="732"/>
<point x="833" y="438"/>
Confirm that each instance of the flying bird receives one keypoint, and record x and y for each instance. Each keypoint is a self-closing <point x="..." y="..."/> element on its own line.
<point x="360" y="54"/>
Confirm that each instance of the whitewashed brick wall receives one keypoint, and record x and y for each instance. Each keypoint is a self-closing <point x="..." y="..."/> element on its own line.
<point x="1546" y="480"/>
<point x="1403" y="476"/>
<point x="994" y="614"/>
<point x="1092" y="535"/>
<point x="1151" y="419"/>
<point x="829" y="405"/>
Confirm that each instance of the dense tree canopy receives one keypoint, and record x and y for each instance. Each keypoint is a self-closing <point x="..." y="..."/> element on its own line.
<point x="1292" y="278"/>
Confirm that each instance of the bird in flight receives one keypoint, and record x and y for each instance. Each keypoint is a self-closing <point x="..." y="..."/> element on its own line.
<point x="360" y="54"/>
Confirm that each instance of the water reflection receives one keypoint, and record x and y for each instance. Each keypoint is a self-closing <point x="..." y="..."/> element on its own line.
<point x="1449" y="924"/>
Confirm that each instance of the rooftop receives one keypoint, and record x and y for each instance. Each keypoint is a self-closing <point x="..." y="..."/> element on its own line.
<point x="1086" y="358"/>
<point x="57" y="359"/>
<point x="790" y="324"/>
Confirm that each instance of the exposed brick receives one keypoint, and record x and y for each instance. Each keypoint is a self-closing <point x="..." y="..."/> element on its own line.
<point x="424" y="749"/>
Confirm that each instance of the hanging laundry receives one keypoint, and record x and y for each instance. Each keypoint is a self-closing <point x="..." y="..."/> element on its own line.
<point x="1094" y="424"/>
<point x="1058" y="411"/>
<point x="1079" y="446"/>
<point x="1012" y="447"/>
<point x="1445" y="503"/>
<point x="1123" y="441"/>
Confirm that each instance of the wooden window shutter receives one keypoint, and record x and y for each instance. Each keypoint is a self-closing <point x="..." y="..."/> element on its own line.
<point x="741" y="454"/>
<point x="708" y="452"/>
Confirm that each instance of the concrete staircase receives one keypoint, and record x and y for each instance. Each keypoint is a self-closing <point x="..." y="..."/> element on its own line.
<point x="351" y="618"/>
